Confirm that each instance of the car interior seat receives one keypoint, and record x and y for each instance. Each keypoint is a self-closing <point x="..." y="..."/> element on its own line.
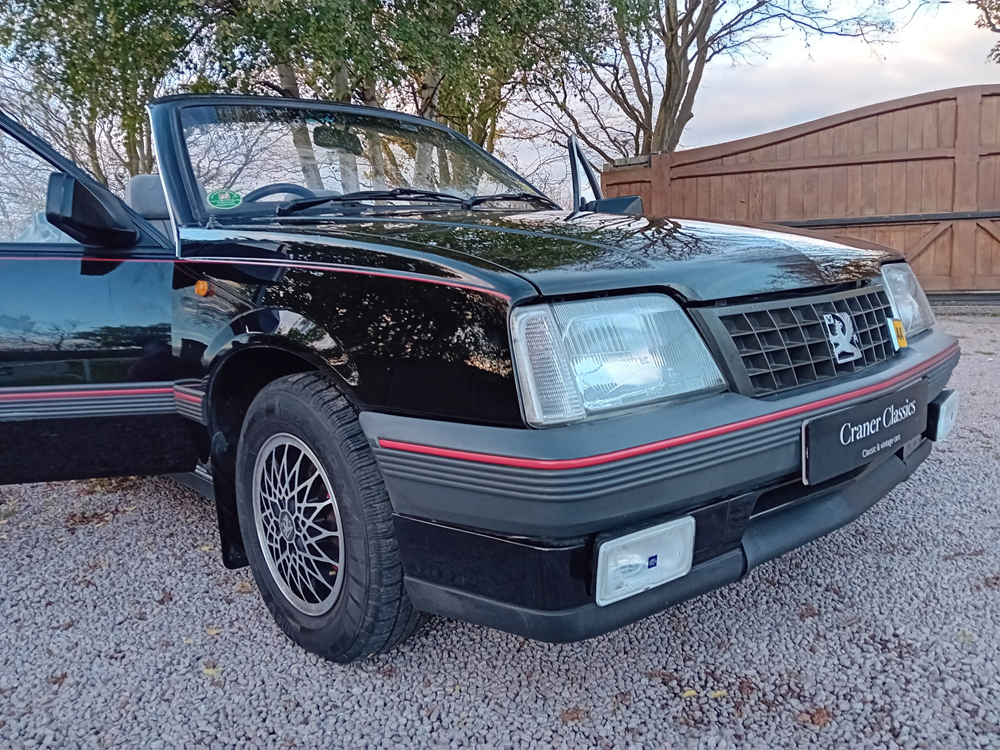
<point x="144" y="194"/>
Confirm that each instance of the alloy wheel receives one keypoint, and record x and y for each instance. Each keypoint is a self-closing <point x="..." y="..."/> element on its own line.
<point x="298" y="524"/>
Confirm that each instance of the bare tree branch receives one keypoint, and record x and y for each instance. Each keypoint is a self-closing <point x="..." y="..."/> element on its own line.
<point x="646" y="59"/>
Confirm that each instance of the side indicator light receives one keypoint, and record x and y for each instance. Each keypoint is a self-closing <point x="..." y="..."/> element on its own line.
<point x="203" y="289"/>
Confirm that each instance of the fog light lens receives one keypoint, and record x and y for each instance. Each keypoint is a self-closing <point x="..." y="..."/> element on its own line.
<point x="643" y="560"/>
<point x="942" y="414"/>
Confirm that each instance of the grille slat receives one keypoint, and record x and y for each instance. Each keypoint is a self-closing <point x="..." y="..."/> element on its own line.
<point x="787" y="347"/>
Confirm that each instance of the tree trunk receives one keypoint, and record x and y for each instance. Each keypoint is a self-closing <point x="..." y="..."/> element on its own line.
<point x="348" y="162"/>
<point x="427" y="96"/>
<point x="93" y="155"/>
<point x="675" y="56"/>
<point x="348" y="173"/>
<point x="427" y="107"/>
<point x="369" y="97"/>
<point x="342" y="85"/>
<point x="685" y="109"/>
<point x="369" y="92"/>
<point x="289" y="81"/>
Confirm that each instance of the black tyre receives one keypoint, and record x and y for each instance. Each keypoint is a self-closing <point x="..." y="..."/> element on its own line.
<point x="317" y="523"/>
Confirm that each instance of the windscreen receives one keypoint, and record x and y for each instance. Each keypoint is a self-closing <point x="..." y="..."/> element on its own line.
<point x="247" y="158"/>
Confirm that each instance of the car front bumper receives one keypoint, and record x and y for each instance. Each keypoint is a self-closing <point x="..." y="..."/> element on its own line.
<point x="500" y="526"/>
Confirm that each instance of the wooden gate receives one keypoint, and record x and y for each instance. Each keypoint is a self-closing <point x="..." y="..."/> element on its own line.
<point x="921" y="174"/>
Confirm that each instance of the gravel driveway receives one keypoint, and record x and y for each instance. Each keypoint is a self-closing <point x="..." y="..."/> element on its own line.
<point x="120" y="627"/>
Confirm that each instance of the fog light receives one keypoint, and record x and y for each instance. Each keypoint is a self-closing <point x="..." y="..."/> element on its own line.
<point x="643" y="560"/>
<point x="942" y="413"/>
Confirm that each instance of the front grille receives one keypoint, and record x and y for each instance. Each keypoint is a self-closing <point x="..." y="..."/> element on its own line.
<point x="786" y="346"/>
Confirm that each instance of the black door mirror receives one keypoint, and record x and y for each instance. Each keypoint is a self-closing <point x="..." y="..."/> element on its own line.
<point x="91" y="217"/>
<point x="584" y="177"/>
<point x="627" y="205"/>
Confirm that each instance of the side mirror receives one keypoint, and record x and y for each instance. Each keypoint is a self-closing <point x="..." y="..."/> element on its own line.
<point x="581" y="172"/>
<point x="583" y="176"/>
<point x="627" y="205"/>
<point x="88" y="216"/>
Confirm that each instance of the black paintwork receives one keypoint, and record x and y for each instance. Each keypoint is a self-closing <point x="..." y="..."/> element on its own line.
<point x="560" y="254"/>
<point x="68" y="321"/>
<point x="550" y="574"/>
<point x="86" y="325"/>
<point x="398" y="344"/>
<point x="421" y="347"/>
<point x="406" y="311"/>
<point x="600" y="252"/>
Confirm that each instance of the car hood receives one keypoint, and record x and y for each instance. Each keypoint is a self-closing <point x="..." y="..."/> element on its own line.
<point x="564" y="254"/>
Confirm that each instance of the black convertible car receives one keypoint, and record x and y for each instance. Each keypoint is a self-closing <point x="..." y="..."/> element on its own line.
<point x="414" y="384"/>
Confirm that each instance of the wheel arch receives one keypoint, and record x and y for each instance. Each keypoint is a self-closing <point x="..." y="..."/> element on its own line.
<point x="254" y="350"/>
<point x="259" y="347"/>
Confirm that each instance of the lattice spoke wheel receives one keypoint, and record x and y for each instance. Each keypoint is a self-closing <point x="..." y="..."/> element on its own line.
<point x="298" y="524"/>
<point x="316" y="522"/>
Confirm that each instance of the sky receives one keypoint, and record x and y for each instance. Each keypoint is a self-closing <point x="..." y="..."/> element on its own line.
<point x="936" y="50"/>
<point x="939" y="48"/>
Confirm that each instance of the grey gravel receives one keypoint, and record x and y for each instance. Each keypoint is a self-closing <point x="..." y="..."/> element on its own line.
<point x="119" y="627"/>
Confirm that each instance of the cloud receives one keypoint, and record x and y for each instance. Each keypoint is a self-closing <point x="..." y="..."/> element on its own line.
<point x="935" y="51"/>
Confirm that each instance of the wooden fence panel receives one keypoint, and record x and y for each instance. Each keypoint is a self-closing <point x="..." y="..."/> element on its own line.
<point x="921" y="174"/>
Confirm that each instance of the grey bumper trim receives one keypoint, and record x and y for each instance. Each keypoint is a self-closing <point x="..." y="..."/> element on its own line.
<point x="568" y="502"/>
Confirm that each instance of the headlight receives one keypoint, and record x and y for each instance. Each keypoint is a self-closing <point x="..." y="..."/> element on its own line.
<point x="909" y="302"/>
<point x="574" y="359"/>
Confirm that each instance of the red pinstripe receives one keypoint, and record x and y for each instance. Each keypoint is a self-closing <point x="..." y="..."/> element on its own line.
<point x="55" y="395"/>
<point x="302" y="266"/>
<point x="640" y="450"/>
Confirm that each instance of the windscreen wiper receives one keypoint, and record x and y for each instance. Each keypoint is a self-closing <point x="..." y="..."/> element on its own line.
<point x="527" y="197"/>
<point x="303" y="204"/>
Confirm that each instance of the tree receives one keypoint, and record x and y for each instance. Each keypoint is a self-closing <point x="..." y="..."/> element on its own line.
<point x="989" y="18"/>
<point x="509" y="43"/>
<point x="83" y="71"/>
<point x="629" y="79"/>
<point x="101" y="62"/>
<point x="44" y="114"/>
<point x="329" y="48"/>
<point x="464" y="59"/>
<point x="334" y="49"/>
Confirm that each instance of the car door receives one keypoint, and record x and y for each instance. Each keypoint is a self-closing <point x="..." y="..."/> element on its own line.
<point x="86" y="368"/>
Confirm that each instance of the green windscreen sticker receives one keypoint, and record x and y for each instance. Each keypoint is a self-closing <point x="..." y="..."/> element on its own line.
<point x="224" y="199"/>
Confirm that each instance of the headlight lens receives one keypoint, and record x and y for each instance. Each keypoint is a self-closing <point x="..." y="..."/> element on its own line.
<point x="575" y="359"/>
<point x="907" y="297"/>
